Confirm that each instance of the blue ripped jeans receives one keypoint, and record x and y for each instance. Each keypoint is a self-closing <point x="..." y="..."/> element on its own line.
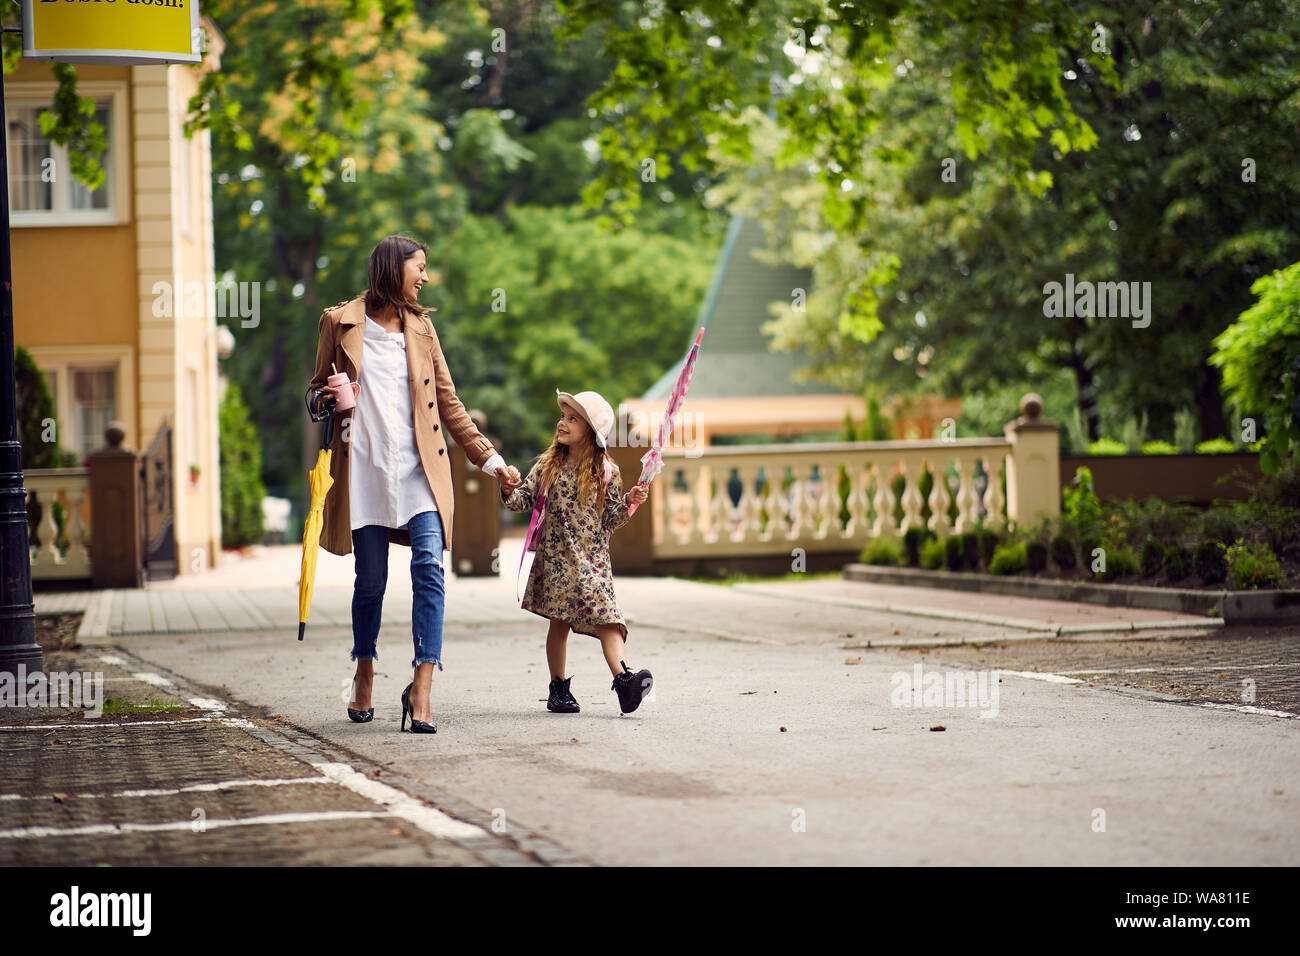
<point x="370" y="546"/>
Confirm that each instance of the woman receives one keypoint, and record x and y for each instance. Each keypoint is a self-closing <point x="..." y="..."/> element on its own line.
<point x="392" y="477"/>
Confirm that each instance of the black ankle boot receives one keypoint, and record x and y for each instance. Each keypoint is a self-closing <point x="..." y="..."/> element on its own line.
<point x="632" y="688"/>
<point x="560" y="700"/>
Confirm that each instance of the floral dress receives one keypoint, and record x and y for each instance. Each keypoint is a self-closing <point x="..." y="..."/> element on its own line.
<point x="572" y="579"/>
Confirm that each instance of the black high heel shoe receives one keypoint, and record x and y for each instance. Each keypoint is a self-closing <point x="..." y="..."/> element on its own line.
<point x="360" y="716"/>
<point x="417" y="726"/>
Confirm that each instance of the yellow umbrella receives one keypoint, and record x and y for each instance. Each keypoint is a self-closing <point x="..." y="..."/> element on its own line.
<point x="321" y="482"/>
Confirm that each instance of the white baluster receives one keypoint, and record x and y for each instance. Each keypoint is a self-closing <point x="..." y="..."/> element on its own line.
<point x="48" y="556"/>
<point x="940" y="498"/>
<point x="77" y="561"/>
<point x="966" y="502"/>
<point x="884" y="526"/>
<point x="994" y="500"/>
<point x="912" y="501"/>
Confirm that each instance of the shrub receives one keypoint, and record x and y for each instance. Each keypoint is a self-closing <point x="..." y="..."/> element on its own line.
<point x="1121" y="562"/>
<point x="913" y="538"/>
<point x="1107" y="446"/>
<point x="882" y="551"/>
<point x="1176" y="561"/>
<point x="988" y="544"/>
<point x="35" y="407"/>
<point x="1187" y="427"/>
<point x="1260" y="358"/>
<point x="1208" y="562"/>
<point x="1221" y="524"/>
<point x="1086" y="547"/>
<point x="932" y="554"/>
<point x="1158" y="448"/>
<point x="954" y="554"/>
<point x="1215" y="446"/>
<point x="242" y="490"/>
<point x="1063" y="553"/>
<point x="1036" y="556"/>
<point x="970" y="550"/>
<point x="1081" y="505"/>
<point x="1153" y="557"/>
<point x="1253" y="566"/>
<point x="1009" y="559"/>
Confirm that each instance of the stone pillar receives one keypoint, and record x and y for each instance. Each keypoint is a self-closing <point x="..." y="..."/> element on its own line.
<point x="631" y="547"/>
<point x="115" y="514"/>
<point x="1033" y="465"/>
<point x="477" y="535"/>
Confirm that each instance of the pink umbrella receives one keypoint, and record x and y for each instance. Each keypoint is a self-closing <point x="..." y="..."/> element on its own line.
<point x="652" y="462"/>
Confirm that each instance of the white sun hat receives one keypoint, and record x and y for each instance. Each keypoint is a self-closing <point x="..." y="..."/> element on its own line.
<point x="593" y="408"/>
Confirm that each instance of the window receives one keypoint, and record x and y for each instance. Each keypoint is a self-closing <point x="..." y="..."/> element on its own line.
<point x="42" y="189"/>
<point x="91" y="386"/>
<point x="94" y="405"/>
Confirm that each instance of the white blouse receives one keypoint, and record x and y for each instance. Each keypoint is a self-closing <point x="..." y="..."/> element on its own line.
<point x="386" y="481"/>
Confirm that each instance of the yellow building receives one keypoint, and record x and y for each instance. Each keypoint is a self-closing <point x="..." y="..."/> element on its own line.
<point x="106" y="283"/>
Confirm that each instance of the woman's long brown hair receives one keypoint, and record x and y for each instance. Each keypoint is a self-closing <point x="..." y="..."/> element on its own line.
<point x="387" y="272"/>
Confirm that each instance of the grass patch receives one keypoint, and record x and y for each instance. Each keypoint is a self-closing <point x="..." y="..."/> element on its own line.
<point x="117" y="707"/>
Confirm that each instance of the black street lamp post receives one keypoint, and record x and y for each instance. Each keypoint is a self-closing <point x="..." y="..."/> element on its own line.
<point x="17" y="613"/>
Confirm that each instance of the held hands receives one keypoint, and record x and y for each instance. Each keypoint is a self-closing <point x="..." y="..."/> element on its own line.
<point x="509" y="478"/>
<point x="638" y="494"/>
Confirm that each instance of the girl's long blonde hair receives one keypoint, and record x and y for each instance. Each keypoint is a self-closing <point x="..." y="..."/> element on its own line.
<point x="590" y="464"/>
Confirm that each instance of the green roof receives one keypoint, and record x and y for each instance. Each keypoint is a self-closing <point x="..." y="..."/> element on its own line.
<point x="734" y="359"/>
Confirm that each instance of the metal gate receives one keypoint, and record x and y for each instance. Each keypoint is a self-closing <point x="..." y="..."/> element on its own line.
<point x="158" y="508"/>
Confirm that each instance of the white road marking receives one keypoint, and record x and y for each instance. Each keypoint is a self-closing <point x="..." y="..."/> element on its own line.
<point x="400" y="804"/>
<point x="112" y="659"/>
<point x="207" y="703"/>
<point x="193" y="788"/>
<point x="1244" y="709"/>
<point x="1050" y="678"/>
<point x="100" y="829"/>
<point x="1202" y="667"/>
<point x="229" y="721"/>
<point x="156" y="680"/>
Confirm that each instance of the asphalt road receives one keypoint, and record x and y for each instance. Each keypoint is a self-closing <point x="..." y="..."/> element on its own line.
<point x="774" y="737"/>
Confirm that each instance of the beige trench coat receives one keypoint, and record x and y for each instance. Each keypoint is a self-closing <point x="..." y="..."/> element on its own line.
<point x="433" y="400"/>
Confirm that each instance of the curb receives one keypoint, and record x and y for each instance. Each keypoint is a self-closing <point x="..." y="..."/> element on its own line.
<point x="1230" y="607"/>
<point x="1035" y="629"/>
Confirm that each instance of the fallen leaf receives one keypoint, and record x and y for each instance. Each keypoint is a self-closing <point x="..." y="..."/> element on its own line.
<point x="746" y="693"/>
<point x="60" y="797"/>
<point x="879" y="728"/>
<point x="896" y="632"/>
<point x="938" y="727"/>
<point x="782" y="730"/>
<point x="852" y="660"/>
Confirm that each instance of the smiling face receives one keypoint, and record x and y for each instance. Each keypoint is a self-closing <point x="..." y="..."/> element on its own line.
<point x="572" y="429"/>
<point x="413" y="275"/>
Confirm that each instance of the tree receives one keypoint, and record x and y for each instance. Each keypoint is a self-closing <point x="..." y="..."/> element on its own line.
<point x="242" y="490"/>
<point x="1260" y="358"/>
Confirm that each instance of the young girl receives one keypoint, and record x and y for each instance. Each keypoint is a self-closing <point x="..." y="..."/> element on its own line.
<point x="572" y="582"/>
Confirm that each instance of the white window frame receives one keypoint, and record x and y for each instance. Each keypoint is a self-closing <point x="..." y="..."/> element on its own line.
<point x="62" y="359"/>
<point x="41" y="95"/>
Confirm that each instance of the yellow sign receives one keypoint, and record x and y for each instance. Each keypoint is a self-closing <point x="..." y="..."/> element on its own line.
<point x="112" y="31"/>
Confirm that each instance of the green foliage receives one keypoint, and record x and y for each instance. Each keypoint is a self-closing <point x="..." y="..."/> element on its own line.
<point x="1253" y="566"/>
<point x="913" y="538"/>
<point x="1209" y="563"/>
<point x="242" y="490"/>
<point x="1107" y="446"/>
<point x="1186" y="430"/>
<point x="35" y="407"/>
<point x="970" y="550"/>
<point x="1177" y="562"/>
<point x="1153" y="557"/>
<point x="875" y="427"/>
<point x="882" y="551"/>
<point x="1159" y="448"/>
<point x="988" y="543"/>
<point x="1082" y="508"/>
<point x="1036" y="556"/>
<point x="1260" y="358"/>
<point x="1064" y="552"/>
<point x="1215" y="446"/>
<point x="1009" y="559"/>
<point x="933" y="554"/>
<point x="954" y="553"/>
<point x="1133" y="433"/>
<point x="1220" y="524"/>
<point x="1121" y="562"/>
